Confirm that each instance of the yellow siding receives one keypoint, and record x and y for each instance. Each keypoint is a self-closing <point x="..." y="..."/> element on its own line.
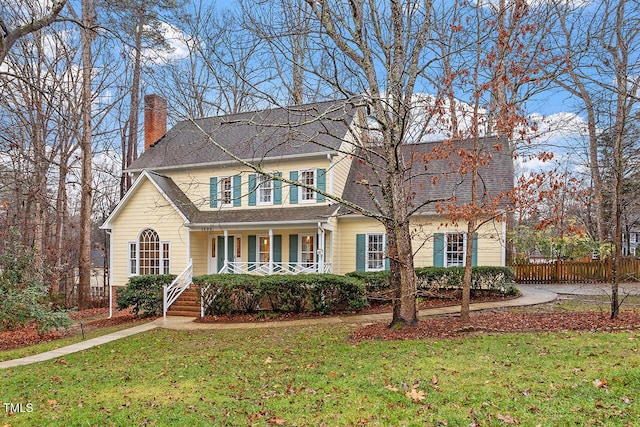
<point x="195" y="183"/>
<point x="147" y="209"/>
<point x="490" y="247"/>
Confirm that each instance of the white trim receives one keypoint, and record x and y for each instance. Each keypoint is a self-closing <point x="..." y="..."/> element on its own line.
<point x="464" y="248"/>
<point x="262" y="160"/>
<point x="259" y="183"/>
<point x="503" y="238"/>
<point x="366" y="251"/>
<point x="219" y="191"/>
<point x="108" y="223"/>
<point x="110" y="233"/>
<point x="301" y="190"/>
<point x="315" y="246"/>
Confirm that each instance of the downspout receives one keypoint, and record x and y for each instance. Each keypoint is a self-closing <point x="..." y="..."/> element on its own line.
<point x="110" y="273"/>
<point x="330" y="158"/>
<point x="504" y="240"/>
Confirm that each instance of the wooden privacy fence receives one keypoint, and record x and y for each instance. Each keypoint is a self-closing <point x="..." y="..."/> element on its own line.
<point x="574" y="271"/>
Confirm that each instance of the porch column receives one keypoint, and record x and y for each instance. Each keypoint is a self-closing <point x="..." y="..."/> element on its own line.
<point x="270" y="251"/>
<point x="320" y="249"/>
<point x="226" y="251"/>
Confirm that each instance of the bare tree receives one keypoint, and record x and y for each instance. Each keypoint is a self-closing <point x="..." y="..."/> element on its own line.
<point x="38" y="17"/>
<point x="601" y="46"/>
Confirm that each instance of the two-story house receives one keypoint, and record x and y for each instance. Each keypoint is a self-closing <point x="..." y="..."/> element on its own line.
<point x="193" y="205"/>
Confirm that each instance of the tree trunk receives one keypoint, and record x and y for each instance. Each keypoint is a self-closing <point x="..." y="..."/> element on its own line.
<point x="84" y="265"/>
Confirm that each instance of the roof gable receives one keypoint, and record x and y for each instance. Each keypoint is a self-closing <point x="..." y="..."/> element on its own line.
<point x="437" y="178"/>
<point x="166" y="187"/>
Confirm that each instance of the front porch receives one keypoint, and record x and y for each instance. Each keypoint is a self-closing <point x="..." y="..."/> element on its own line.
<point x="263" y="251"/>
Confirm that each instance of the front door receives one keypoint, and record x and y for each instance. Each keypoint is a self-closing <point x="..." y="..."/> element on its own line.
<point x="234" y="252"/>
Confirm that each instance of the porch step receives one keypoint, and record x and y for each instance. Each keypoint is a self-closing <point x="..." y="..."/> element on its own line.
<point x="187" y="304"/>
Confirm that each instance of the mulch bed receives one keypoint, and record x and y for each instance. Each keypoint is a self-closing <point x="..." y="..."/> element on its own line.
<point x="444" y="299"/>
<point x="436" y="327"/>
<point x="502" y="321"/>
<point x="91" y="319"/>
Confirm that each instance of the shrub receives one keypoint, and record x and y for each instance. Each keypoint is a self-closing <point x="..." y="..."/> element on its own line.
<point x="324" y="293"/>
<point x="144" y="294"/>
<point x="496" y="279"/>
<point x="229" y="293"/>
<point x="23" y="296"/>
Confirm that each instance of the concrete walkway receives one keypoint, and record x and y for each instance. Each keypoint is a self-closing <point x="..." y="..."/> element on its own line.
<point x="530" y="296"/>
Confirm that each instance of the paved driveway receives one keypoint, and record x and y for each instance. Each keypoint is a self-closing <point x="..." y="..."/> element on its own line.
<point x="591" y="288"/>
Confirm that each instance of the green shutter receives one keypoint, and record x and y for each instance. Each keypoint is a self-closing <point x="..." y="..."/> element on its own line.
<point x="321" y="176"/>
<point x="252" y="253"/>
<point x="237" y="190"/>
<point x="361" y="248"/>
<point x="277" y="190"/>
<point x="386" y="252"/>
<point x="293" y="192"/>
<point x="220" y="253"/>
<point x="293" y="248"/>
<point x="474" y="250"/>
<point x="277" y="248"/>
<point x="252" y="189"/>
<point x="232" y="249"/>
<point x="213" y="192"/>
<point x="438" y="250"/>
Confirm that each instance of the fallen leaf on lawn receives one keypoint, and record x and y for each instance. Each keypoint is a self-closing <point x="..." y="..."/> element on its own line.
<point x="276" y="421"/>
<point x="267" y="360"/>
<point x="626" y="400"/>
<point x="508" y="419"/>
<point x="434" y="380"/>
<point x="415" y="395"/>
<point x="527" y="392"/>
<point x="600" y="383"/>
<point x="390" y="387"/>
<point x="52" y="402"/>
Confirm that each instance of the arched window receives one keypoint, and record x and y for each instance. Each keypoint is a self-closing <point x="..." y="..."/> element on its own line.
<point x="149" y="249"/>
<point x="149" y="255"/>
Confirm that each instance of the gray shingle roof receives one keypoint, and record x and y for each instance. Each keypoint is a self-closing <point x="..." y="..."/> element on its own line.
<point x="275" y="133"/>
<point x="437" y="178"/>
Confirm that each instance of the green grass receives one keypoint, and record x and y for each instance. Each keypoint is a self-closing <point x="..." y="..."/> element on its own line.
<point x="68" y="340"/>
<point x="313" y="376"/>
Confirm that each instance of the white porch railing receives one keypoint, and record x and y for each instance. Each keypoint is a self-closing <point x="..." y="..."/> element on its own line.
<point x="171" y="292"/>
<point x="264" y="269"/>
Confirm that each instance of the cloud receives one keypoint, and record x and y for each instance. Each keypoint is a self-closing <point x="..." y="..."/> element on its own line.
<point x="176" y="46"/>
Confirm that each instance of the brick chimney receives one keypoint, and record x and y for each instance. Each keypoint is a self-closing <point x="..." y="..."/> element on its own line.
<point x="155" y="119"/>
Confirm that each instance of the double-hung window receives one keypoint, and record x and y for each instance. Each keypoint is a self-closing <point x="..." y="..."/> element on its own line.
<point x="375" y="252"/>
<point x="454" y="250"/>
<point x="307" y="177"/>
<point x="265" y="190"/>
<point x="225" y="191"/>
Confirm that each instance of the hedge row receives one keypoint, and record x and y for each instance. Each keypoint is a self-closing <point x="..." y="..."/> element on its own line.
<point x="239" y="293"/>
<point x="321" y="293"/>
<point x="430" y="279"/>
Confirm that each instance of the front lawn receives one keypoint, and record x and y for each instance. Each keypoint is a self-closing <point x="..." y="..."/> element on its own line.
<point x="314" y="376"/>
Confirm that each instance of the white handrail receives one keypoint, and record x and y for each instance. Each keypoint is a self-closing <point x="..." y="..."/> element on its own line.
<point x="173" y="291"/>
<point x="264" y="269"/>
